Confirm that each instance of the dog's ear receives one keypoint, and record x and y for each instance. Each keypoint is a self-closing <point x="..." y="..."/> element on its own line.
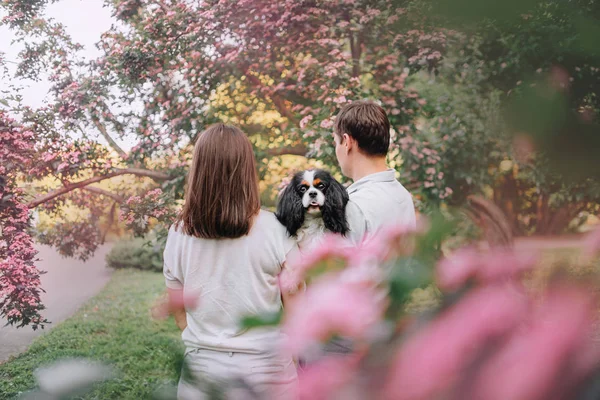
<point x="290" y="211"/>
<point x="334" y="209"/>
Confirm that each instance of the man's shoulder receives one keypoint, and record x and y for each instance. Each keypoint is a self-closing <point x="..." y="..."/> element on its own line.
<point x="378" y="192"/>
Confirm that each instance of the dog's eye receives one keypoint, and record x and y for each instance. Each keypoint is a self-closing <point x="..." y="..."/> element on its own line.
<point x="302" y="189"/>
<point x="320" y="186"/>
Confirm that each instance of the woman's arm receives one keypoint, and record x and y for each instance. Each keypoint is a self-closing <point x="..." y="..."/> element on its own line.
<point x="288" y="296"/>
<point x="180" y="319"/>
<point x="177" y="307"/>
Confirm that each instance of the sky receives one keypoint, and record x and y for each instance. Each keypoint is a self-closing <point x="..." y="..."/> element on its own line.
<point x="84" y="21"/>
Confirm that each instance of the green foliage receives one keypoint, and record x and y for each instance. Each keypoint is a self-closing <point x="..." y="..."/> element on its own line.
<point x="255" y="321"/>
<point x="136" y="253"/>
<point x="513" y="109"/>
<point x="115" y="328"/>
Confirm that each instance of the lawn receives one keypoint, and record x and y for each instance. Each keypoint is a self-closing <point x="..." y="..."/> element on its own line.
<point x="114" y="327"/>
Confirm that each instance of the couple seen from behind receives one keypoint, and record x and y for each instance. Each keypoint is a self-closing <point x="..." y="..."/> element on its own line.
<point x="230" y="253"/>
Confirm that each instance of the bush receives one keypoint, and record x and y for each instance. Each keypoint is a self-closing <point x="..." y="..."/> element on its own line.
<point x="138" y="253"/>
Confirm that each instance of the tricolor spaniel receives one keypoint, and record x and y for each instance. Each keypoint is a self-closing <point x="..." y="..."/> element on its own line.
<point x="313" y="202"/>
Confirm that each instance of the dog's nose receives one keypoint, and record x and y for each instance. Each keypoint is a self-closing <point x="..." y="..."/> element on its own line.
<point x="312" y="195"/>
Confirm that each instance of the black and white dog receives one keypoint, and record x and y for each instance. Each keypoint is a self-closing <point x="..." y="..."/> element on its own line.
<point x="313" y="203"/>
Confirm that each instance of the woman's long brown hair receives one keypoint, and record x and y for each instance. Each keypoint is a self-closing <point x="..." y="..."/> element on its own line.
<point x="222" y="194"/>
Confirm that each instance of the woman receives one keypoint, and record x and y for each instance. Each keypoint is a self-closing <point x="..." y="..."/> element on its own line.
<point x="227" y="250"/>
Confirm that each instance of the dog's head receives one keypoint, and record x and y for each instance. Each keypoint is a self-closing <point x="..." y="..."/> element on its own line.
<point x="317" y="193"/>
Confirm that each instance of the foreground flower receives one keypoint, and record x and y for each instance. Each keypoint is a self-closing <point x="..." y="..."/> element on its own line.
<point x="591" y="244"/>
<point x="70" y="376"/>
<point x="544" y="360"/>
<point x="330" y="307"/>
<point x="432" y="360"/>
<point x="330" y="247"/>
<point x="485" y="267"/>
<point x="371" y="252"/>
<point x="172" y="302"/>
<point x="326" y="377"/>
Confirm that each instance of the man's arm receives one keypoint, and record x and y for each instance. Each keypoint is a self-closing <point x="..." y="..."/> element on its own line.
<point x="357" y="222"/>
<point x="408" y="216"/>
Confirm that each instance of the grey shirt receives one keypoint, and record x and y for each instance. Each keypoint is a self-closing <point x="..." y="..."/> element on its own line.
<point x="377" y="201"/>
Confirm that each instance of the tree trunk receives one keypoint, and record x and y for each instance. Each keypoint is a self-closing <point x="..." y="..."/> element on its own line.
<point x="557" y="222"/>
<point x="506" y="198"/>
<point x="490" y="218"/>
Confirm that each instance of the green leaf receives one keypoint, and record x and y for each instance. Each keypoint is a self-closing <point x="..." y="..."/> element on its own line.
<point x="255" y="321"/>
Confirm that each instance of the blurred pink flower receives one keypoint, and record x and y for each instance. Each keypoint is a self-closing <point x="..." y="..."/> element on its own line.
<point x="591" y="243"/>
<point x="324" y="378"/>
<point x="538" y="362"/>
<point x="486" y="267"/>
<point x="329" y="307"/>
<point x="431" y="361"/>
<point x="369" y="253"/>
<point x="331" y="246"/>
<point x="175" y="300"/>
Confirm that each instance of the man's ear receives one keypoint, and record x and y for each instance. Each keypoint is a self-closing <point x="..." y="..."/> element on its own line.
<point x="348" y="142"/>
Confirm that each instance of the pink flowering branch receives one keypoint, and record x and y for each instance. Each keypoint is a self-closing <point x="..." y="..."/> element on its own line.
<point x="66" y="189"/>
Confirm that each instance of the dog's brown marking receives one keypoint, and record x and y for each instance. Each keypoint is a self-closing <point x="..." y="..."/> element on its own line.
<point x="316" y="182"/>
<point x="304" y="183"/>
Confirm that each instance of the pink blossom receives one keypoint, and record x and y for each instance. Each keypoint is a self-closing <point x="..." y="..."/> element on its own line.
<point x="591" y="243"/>
<point x="323" y="379"/>
<point x="432" y="360"/>
<point x="49" y="156"/>
<point x="330" y="306"/>
<point x="332" y="246"/>
<point x="176" y="300"/>
<point x="531" y="366"/>
<point x="326" y="123"/>
<point x="304" y="121"/>
<point x="455" y="270"/>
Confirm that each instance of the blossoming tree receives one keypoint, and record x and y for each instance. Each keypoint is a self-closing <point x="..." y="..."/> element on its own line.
<point x="169" y="68"/>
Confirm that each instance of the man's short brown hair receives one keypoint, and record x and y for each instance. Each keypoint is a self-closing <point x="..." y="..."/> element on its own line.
<point x="368" y="124"/>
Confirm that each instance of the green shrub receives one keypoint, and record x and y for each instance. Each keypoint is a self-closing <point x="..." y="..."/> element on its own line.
<point x="136" y="253"/>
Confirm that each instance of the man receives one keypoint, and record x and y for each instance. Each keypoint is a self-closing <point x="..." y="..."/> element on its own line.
<point x="377" y="199"/>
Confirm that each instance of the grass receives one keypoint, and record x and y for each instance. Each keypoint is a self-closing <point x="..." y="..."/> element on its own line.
<point x="116" y="328"/>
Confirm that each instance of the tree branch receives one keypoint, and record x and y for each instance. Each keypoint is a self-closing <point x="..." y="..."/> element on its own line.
<point x="108" y="138"/>
<point x="111" y="220"/>
<point x="355" y="48"/>
<point x="299" y="150"/>
<point x="117" y="198"/>
<point x="156" y="175"/>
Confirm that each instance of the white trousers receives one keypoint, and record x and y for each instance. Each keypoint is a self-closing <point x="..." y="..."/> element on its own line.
<point x="239" y="375"/>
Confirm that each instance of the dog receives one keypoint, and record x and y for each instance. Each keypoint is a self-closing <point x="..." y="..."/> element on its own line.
<point x="313" y="203"/>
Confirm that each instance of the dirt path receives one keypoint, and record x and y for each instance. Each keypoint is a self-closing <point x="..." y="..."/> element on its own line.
<point x="549" y="242"/>
<point x="68" y="284"/>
